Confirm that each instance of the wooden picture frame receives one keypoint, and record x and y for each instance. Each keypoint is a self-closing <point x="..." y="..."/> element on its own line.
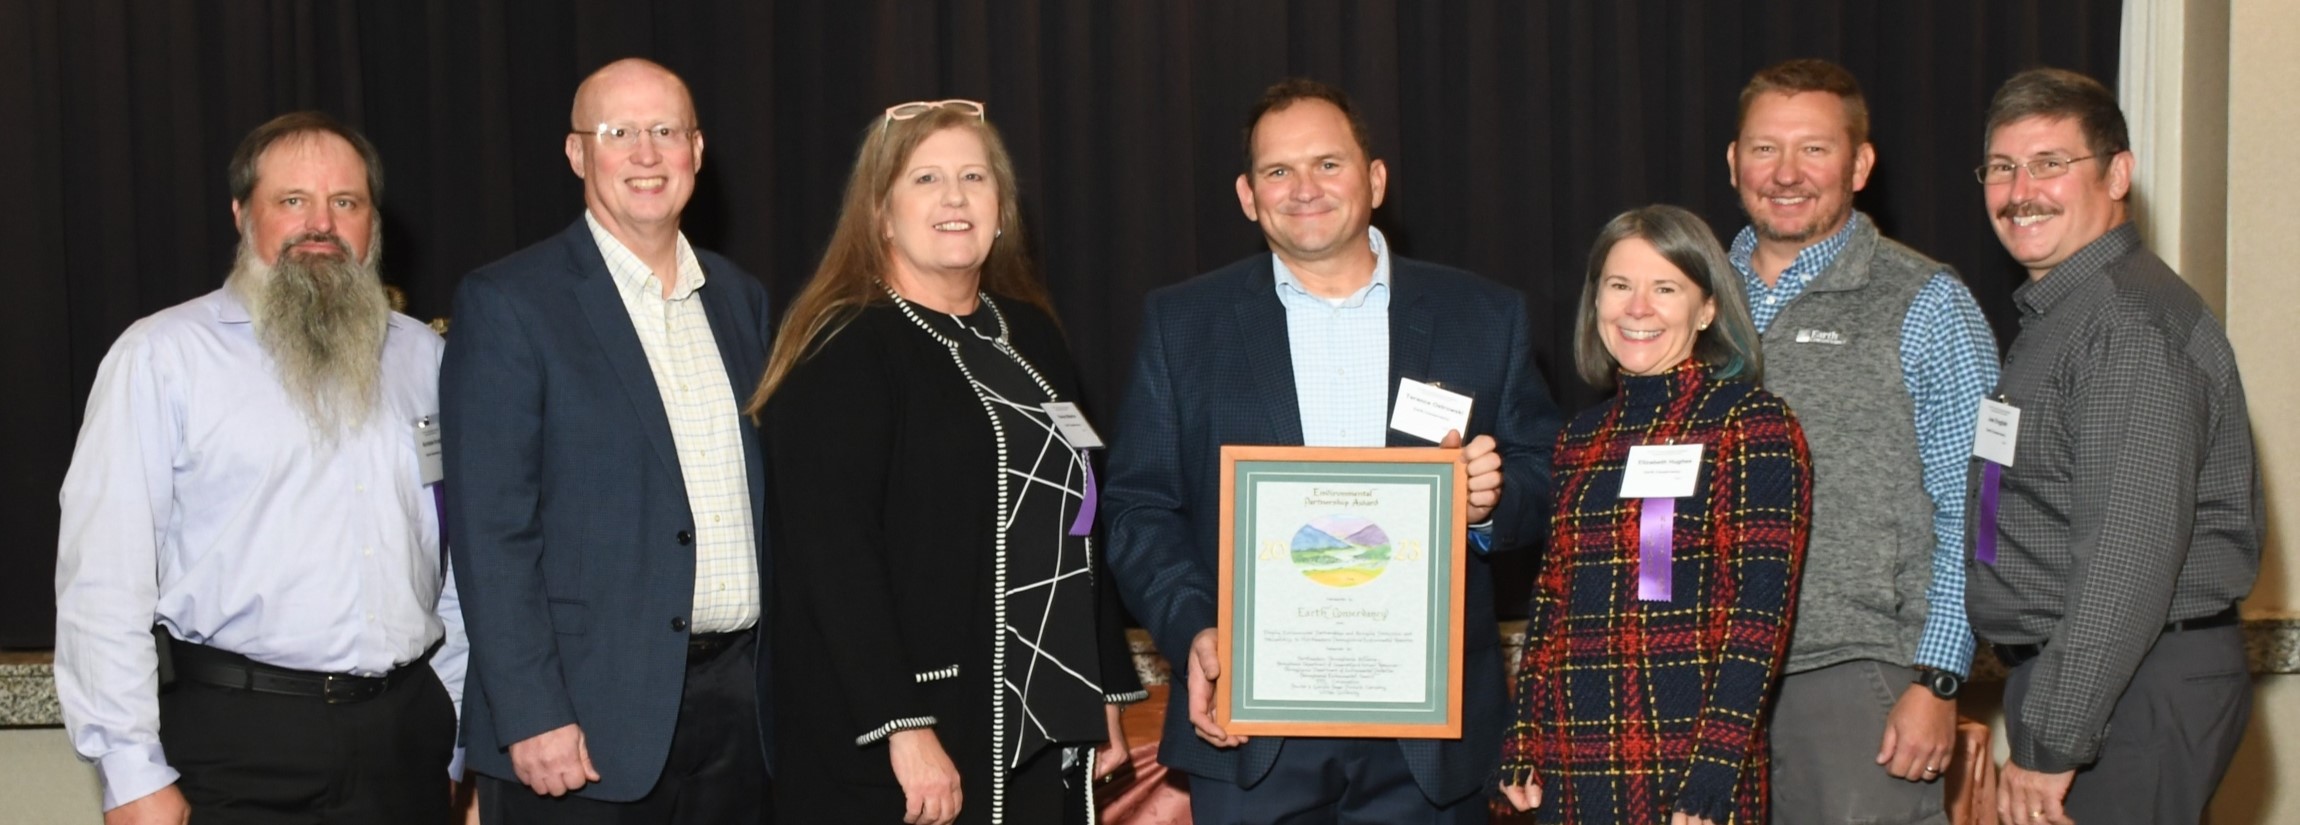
<point x="1344" y="618"/>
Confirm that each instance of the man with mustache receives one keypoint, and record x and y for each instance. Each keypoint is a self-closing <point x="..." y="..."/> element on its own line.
<point x="250" y="615"/>
<point x="2127" y="504"/>
<point x="608" y="509"/>
<point x="1307" y="345"/>
<point x="1883" y="354"/>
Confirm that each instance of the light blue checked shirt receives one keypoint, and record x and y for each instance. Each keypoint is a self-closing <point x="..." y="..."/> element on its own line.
<point x="1948" y="362"/>
<point x="1341" y="352"/>
<point x="1341" y="355"/>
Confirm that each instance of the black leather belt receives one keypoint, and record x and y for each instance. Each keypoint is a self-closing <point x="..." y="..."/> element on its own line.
<point x="223" y="668"/>
<point x="703" y="647"/>
<point x="2016" y="655"/>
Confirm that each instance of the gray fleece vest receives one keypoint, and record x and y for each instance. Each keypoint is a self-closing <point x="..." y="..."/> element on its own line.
<point x="1834" y="354"/>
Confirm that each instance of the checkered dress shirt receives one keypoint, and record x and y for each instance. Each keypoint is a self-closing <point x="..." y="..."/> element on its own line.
<point x="700" y="403"/>
<point x="1948" y="361"/>
<point x="2133" y="499"/>
<point x="1341" y="355"/>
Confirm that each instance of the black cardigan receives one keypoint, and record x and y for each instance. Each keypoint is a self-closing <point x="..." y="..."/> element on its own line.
<point x="883" y="474"/>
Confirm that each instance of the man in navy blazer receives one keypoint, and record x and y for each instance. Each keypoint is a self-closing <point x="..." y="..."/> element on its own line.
<point x="1306" y="345"/>
<point x="605" y="506"/>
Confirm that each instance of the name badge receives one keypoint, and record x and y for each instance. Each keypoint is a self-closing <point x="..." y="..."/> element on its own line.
<point x="1998" y="432"/>
<point x="1072" y="424"/>
<point x="1428" y="411"/>
<point x="428" y="450"/>
<point x="1661" y="471"/>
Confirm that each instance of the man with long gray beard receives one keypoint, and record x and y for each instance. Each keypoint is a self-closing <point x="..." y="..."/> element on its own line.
<point x="253" y="617"/>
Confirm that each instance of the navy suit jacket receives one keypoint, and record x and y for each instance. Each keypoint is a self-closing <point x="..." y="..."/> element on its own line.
<point x="567" y="512"/>
<point x="1213" y="368"/>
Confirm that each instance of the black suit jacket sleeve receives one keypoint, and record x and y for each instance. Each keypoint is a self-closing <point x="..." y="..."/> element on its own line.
<point x="1525" y="432"/>
<point x="494" y="460"/>
<point x="1152" y="545"/>
<point x="831" y="433"/>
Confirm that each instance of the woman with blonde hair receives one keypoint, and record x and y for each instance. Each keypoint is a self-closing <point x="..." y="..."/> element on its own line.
<point x="947" y="649"/>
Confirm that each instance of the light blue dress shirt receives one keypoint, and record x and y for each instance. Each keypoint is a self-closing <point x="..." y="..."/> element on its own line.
<point x="1341" y="357"/>
<point x="199" y="498"/>
<point x="1948" y="361"/>
<point x="1341" y="352"/>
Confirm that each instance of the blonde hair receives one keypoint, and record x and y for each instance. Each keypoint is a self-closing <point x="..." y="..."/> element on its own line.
<point x="857" y="259"/>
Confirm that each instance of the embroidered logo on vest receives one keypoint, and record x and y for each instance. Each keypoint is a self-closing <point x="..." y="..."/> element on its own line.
<point x="1820" y="336"/>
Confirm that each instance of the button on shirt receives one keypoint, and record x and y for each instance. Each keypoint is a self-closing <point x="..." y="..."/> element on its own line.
<point x="1341" y="354"/>
<point x="1948" y="361"/>
<point x="700" y="402"/>
<point x="2133" y="499"/>
<point x="200" y="497"/>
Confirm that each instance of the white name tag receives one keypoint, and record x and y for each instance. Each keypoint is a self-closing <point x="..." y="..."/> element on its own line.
<point x="1661" y="471"/>
<point x="1072" y="424"/>
<point x="1998" y="432"/>
<point x="1428" y="412"/>
<point x="429" y="451"/>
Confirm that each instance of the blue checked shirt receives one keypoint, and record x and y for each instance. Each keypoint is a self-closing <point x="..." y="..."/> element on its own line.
<point x="1341" y="356"/>
<point x="1948" y="362"/>
<point x="1341" y="352"/>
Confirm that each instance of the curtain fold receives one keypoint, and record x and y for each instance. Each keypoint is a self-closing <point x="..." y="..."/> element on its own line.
<point x="1513" y="130"/>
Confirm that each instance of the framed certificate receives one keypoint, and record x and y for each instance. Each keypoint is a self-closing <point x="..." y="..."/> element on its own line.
<point x="1341" y="591"/>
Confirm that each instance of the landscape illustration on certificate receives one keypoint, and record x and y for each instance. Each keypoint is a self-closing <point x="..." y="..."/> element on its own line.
<point x="1342" y="589"/>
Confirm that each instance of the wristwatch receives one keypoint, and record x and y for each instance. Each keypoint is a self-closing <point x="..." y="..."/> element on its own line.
<point x="1941" y="682"/>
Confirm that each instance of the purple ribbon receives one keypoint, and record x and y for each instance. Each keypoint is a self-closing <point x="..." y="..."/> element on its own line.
<point x="1656" y="541"/>
<point x="1985" y="530"/>
<point x="1085" y="521"/>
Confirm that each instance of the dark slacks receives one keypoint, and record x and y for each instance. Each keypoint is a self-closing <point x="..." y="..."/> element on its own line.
<point x="1826" y="727"/>
<point x="716" y="773"/>
<point x="250" y="758"/>
<point x="1338" y="781"/>
<point x="2171" y="736"/>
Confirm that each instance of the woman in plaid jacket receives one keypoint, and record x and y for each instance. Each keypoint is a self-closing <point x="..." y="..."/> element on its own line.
<point x="1662" y="614"/>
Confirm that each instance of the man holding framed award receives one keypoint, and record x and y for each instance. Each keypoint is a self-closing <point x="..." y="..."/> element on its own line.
<point x="1361" y="607"/>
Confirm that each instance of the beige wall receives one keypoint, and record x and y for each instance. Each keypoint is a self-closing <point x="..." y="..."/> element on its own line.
<point x="2263" y="257"/>
<point x="42" y="782"/>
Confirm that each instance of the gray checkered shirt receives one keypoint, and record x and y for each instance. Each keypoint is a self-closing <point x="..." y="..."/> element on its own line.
<point x="2133" y="499"/>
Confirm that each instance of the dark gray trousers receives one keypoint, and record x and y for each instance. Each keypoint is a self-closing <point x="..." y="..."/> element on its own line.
<point x="1826" y="728"/>
<point x="2171" y="736"/>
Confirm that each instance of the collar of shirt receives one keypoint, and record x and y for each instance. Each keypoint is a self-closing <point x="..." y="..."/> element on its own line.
<point x="2040" y="295"/>
<point x="1291" y="291"/>
<point x="230" y="309"/>
<point x="632" y="276"/>
<point x="1811" y="262"/>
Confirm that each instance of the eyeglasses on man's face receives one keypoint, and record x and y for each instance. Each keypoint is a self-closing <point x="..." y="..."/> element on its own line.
<point x="2001" y="171"/>
<point x="624" y="136"/>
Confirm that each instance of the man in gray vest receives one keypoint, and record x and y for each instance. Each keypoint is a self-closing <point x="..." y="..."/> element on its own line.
<point x="2120" y="515"/>
<point x="1884" y="356"/>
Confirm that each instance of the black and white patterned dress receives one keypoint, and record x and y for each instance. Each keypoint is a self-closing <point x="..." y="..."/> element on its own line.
<point x="1045" y="656"/>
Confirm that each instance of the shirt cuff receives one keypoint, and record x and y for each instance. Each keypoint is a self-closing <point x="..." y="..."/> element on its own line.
<point x="455" y="765"/>
<point x="132" y="773"/>
<point x="1481" y="536"/>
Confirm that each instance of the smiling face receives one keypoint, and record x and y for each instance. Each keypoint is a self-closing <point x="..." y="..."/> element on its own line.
<point x="942" y="212"/>
<point x="1796" y="167"/>
<point x="1648" y="312"/>
<point x="2043" y="222"/>
<point x="641" y="188"/>
<point x="1311" y="187"/>
<point x="310" y="199"/>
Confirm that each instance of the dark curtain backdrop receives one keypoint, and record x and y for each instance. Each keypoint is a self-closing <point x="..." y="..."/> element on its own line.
<point x="1513" y="129"/>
